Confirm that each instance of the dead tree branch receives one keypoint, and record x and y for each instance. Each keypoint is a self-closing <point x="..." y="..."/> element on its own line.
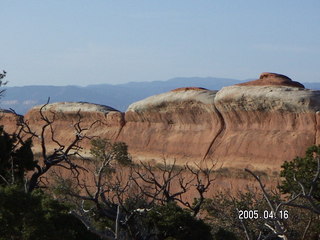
<point x="62" y="155"/>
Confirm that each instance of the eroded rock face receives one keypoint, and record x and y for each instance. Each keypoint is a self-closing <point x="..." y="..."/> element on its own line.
<point x="265" y="125"/>
<point x="179" y="124"/>
<point x="9" y="120"/>
<point x="258" y="124"/>
<point x="266" y="121"/>
<point x="100" y="120"/>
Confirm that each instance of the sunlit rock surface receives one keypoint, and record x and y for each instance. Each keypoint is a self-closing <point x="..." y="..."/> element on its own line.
<point x="257" y="124"/>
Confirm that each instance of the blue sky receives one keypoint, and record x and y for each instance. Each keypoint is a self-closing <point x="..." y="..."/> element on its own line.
<point x="77" y="42"/>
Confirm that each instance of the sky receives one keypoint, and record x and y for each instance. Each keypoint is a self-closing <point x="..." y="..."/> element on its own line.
<point x="78" y="42"/>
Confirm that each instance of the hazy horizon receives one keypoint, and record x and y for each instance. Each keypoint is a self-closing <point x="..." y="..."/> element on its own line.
<point x="125" y="83"/>
<point x="81" y="42"/>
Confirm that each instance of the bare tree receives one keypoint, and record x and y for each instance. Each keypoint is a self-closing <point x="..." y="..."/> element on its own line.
<point x="278" y="226"/>
<point x="99" y="193"/>
<point x="125" y="196"/>
<point x="166" y="183"/>
<point x="62" y="155"/>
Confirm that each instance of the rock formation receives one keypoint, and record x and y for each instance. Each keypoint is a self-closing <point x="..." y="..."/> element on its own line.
<point x="9" y="120"/>
<point x="272" y="79"/>
<point x="257" y="124"/>
<point x="266" y="122"/>
<point x="102" y="121"/>
<point x="175" y="125"/>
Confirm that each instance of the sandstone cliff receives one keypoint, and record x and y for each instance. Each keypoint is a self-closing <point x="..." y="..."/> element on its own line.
<point x="265" y="122"/>
<point x="102" y="121"/>
<point x="257" y="124"/>
<point x="9" y="120"/>
<point x="179" y="124"/>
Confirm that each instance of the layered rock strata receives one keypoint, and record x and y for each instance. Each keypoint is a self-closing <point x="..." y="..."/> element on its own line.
<point x="258" y="124"/>
<point x="67" y="117"/>
<point x="175" y="125"/>
<point x="265" y="125"/>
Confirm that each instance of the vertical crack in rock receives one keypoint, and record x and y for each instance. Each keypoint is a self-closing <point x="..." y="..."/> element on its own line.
<point x="121" y="126"/>
<point x="118" y="134"/>
<point x="219" y="133"/>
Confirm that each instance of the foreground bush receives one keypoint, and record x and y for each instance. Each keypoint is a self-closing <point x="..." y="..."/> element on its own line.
<point x="25" y="216"/>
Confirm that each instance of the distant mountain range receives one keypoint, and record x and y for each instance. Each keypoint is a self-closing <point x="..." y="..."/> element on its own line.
<point x="120" y="96"/>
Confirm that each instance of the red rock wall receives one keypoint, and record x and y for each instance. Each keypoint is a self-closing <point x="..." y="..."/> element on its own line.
<point x="257" y="125"/>
<point x="263" y="140"/>
<point x="183" y="133"/>
<point x="9" y="121"/>
<point x="105" y="125"/>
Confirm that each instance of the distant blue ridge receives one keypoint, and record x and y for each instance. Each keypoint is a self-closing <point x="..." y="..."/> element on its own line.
<point x="120" y="96"/>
